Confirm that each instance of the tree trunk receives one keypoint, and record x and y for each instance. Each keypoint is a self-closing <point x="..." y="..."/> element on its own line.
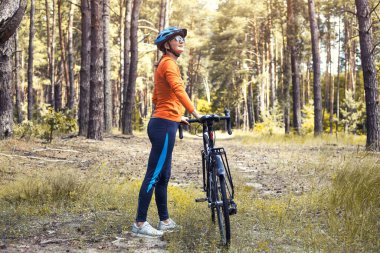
<point x="63" y="47"/>
<point x="17" y="81"/>
<point x="11" y="13"/>
<point x="338" y="83"/>
<point x="127" y="49"/>
<point x="251" y="113"/>
<point x="331" y="119"/>
<point x="286" y="83"/>
<point x="329" y="83"/>
<point x="30" y="61"/>
<point x="168" y="7"/>
<point x="271" y="59"/>
<point x="121" y="70"/>
<point x="52" y="63"/>
<point x="6" y="106"/>
<point x="318" y="125"/>
<point x="84" y="94"/>
<point x="292" y="44"/>
<point x="58" y="88"/>
<point x="161" y="23"/>
<point x="287" y="78"/>
<point x="71" y="93"/>
<point x="133" y="68"/>
<point x="48" y="49"/>
<point x="106" y="70"/>
<point x="96" y="116"/>
<point x="369" y="74"/>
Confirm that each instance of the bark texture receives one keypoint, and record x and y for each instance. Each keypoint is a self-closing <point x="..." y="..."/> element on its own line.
<point x="84" y="89"/>
<point x="107" y="68"/>
<point x="292" y="33"/>
<point x="71" y="93"/>
<point x="17" y="81"/>
<point x="30" y="61"/>
<point x="318" y="126"/>
<point x="96" y="116"/>
<point x="133" y="68"/>
<point x="11" y="13"/>
<point x="369" y="73"/>
<point x="127" y="63"/>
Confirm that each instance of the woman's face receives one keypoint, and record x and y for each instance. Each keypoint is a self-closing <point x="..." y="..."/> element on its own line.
<point x="178" y="44"/>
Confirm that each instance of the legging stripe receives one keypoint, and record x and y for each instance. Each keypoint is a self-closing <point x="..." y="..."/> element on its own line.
<point x="160" y="163"/>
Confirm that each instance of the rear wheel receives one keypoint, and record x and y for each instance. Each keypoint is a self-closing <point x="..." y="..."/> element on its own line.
<point x="211" y="186"/>
<point x="222" y="209"/>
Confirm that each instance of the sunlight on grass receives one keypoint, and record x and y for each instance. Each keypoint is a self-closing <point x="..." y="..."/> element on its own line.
<point x="342" y="216"/>
<point x="309" y="139"/>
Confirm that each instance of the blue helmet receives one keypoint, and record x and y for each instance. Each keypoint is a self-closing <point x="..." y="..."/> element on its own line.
<point x="167" y="34"/>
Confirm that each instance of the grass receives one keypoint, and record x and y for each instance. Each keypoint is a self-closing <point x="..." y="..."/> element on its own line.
<point x="309" y="139"/>
<point x="342" y="214"/>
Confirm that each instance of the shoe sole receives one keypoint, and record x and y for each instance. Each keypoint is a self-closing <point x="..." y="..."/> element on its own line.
<point x="170" y="230"/>
<point x="146" y="236"/>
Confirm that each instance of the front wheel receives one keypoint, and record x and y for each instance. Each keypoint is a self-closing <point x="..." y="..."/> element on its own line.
<point x="222" y="209"/>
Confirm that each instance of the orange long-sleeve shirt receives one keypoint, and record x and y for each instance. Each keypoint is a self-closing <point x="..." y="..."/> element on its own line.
<point x="169" y="94"/>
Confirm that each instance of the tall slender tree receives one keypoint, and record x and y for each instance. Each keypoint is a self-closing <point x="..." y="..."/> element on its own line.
<point x="292" y="43"/>
<point x="96" y="115"/>
<point x="17" y="80"/>
<point x="62" y="44"/>
<point x="107" y="67"/>
<point x="161" y="22"/>
<point x="71" y="90"/>
<point x="52" y="55"/>
<point x="118" y="110"/>
<point x="133" y="68"/>
<point x="286" y="84"/>
<point x="338" y="82"/>
<point x="11" y="13"/>
<point x="84" y="89"/>
<point x="369" y="73"/>
<point x="30" y="60"/>
<point x="58" y="87"/>
<point x="127" y="49"/>
<point x="48" y="49"/>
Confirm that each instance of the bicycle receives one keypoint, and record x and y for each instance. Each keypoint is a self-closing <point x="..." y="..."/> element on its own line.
<point x="217" y="178"/>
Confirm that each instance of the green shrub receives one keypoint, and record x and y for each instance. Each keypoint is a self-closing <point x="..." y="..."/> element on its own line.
<point x="353" y="114"/>
<point x="58" y="121"/>
<point x="49" y="123"/>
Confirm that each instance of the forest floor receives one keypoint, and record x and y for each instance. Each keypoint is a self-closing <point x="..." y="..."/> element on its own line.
<point x="97" y="215"/>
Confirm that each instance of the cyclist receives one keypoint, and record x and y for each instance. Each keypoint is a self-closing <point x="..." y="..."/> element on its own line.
<point x="169" y="97"/>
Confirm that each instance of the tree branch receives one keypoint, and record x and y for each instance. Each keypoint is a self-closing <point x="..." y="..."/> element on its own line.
<point x="374" y="47"/>
<point x="374" y="9"/>
<point x="349" y="11"/>
<point x="75" y="4"/>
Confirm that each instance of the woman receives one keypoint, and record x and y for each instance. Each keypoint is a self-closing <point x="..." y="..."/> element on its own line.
<point x="169" y="97"/>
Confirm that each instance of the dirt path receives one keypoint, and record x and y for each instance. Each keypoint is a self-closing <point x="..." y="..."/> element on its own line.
<point x="269" y="170"/>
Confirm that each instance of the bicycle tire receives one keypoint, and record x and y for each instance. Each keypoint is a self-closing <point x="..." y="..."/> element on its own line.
<point x="222" y="210"/>
<point x="213" y="197"/>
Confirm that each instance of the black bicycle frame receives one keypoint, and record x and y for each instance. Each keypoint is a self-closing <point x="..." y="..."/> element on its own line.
<point x="212" y="155"/>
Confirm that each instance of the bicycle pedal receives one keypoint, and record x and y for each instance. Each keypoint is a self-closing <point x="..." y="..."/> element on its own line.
<point x="232" y="208"/>
<point x="201" y="200"/>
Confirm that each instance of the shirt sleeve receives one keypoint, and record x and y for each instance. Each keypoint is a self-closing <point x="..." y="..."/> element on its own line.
<point x="176" y="83"/>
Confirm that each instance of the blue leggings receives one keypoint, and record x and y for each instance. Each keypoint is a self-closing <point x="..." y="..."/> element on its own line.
<point x="162" y="135"/>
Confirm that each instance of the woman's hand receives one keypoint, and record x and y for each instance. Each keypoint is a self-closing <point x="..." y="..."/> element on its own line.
<point x="196" y="114"/>
<point x="184" y="120"/>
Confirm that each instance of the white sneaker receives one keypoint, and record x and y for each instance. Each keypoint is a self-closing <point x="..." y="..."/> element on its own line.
<point x="167" y="227"/>
<point x="146" y="230"/>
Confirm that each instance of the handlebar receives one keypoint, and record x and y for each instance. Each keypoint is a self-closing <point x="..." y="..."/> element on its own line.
<point x="210" y="118"/>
